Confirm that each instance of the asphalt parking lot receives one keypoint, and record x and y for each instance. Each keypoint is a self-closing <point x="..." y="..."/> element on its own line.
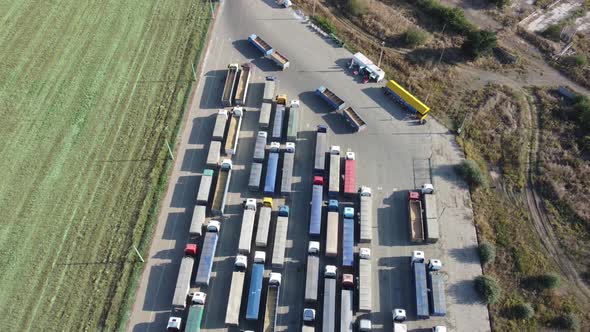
<point x="393" y="155"/>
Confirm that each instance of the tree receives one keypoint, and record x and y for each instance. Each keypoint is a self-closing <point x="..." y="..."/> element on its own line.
<point x="553" y="32"/>
<point x="522" y="311"/>
<point x="358" y="7"/>
<point x="472" y="173"/>
<point x="488" y="289"/>
<point x="479" y="43"/>
<point x="487" y="253"/>
<point x="415" y="37"/>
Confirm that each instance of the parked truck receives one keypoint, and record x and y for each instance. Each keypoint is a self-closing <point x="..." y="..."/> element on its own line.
<point x="264" y="222"/>
<point x="315" y="222"/>
<point x="350" y="174"/>
<point x="253" y="307"/>
<point x="431" y="213"/>
<point x="208" y="253"/>
<point x="415" y="217"/>
<point x="348" y="237"/>
<point x="205" y="187"/>
<point x="247" y="226"/>
<point x="366" y="217"/>
<point x="332" y="231"/>
<point x="260" y="44"/>
<point x="277" y="125"/>
<point x="233" y="134"/>
<point x="421" y="290"/>
<point x="195" y="312"/>
<point x="329" y="321"/>
<point x="214" y="153"/>
<point x="265" y="112"/>
<point x="232" y="313"/>
<point x="293" y="123"/>
<point x="407" y="100"/>
<point x="260" y="146"/>
<point x="436" y="285"/>
<point x="242" y="88"/>
<point x="272" y="302"/>
<point x="271" y="168"/>
<point x="288" y="162"/>
<point x="278" y="252"/>
<point x="331" y="98"/>
<point x="334" y="186"/>
<point x="365" y="296"/>
<point x="354" y="119"/>
<point x="279" y="59"/>
<point x="233" y="73"/>
<point x="197" y="221"/>
<point x="399" y="316"/>
<point x="346" y="300"/>
<point x="312" y="272"/>
<point x="220" y="124"/>
<point x="223" y="179"/>
<point x="321" y="146"/>
<point x="269" y="89"/>
<point x="255" y="176"/>
<point x="184" y="278"/>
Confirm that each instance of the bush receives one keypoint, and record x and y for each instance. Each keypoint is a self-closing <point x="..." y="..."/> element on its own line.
<point x="544" y="281"/>
<point x="415" y="37"/>
<point x="479" y="43"/>
<point x="522" y="311"/>
<point x="553" y="32"/>
<point x="576" y="60"/>
<point x="567" y="321"/>
<point x="326" y="25"/>
<point x="488" y="289"/>
<point x="472" y="173"/>
<point x="487" y="253"/>
<point x="358" y="7"/>
<point x="453" y="17"/>
<point x="501" y="3"/>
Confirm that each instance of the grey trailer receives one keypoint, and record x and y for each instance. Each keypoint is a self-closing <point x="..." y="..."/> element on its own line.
<point x="260" y="146"/>
<point x="329" y="319"/>
<point x="269" y="89"/>
<point x="183" y="283"/>
<point x="264" y="222"/>
<point x="278" y="252"/>
<point x="346" y="315"/>
<point x="223" y="180"/>
<point x="247" y="226"/>
<point x="312" y="276"/>
<point x="255" y="176"/>
<point x="205" y="187"/>
<point x="321" y="147"/>
<point x="366" y="217"/>
<point x="421" y="294"/>
<point x="365" y="296"/>
<point x="436" y="285"/>
<point x="288" y="162"/>
<point x="334" y="184"/>
<point x="265" y="112"/>
<point x="277" y="125"/>
<point x="220" y="124"/>
<point x="198" y="219"/>
<point x="214" y="153"/>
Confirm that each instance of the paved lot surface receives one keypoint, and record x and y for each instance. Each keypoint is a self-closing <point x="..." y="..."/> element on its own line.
<point x="392" y="156"/>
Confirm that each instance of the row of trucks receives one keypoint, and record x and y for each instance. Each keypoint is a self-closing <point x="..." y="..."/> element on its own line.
<point x="350" y="115"/>
<point x="283" y="116"/>
<point x="269" y="52"/>
<point x="428" y="285"/>
<point x="235" y="88"/>
<point x="423" y="215"/>
<point x="232" y="121"/>
<point x="272" y="168"/>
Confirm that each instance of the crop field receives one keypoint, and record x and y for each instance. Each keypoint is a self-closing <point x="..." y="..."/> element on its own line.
<point x="89" y="93"/>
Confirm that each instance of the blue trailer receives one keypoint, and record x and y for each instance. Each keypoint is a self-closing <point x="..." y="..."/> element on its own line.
<point x="255" y="292"/>
<point x="260" y="44"/>
<point x="348" y="242"/>
<point x="421" y="290"/>
<point x="207" y="254"/>
<point x="271" y="168"/>
<point x="331" y="98"/>
<point x="315" y="222"/>
<point x="437" y="294"/>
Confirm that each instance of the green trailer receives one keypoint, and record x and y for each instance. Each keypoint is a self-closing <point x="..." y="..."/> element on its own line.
<point x="195" y="315"/>
<point x="293" y="122"/>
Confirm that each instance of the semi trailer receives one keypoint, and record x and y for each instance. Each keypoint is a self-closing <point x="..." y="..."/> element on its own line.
<point x="280" y="244"/>
<point x="255" y="291"/>
<point x="236" y="289"/>
<point x="366" y="217"/>
<point x="247" y="226"/>
<point x="334" y="185"/>
<point x="288" y="163"/>
<point x="242" y="87"/>
<point x="220" y="124"/>
<point x="315" y="220"/>
<point x="321" y="146"/>
<point x="271" y="168"/>
<point x="332" y="229"/>
<point x="221" y="188"/>
<point x="264" y="222"/>
<point x="331" y="98"/>
<point x="293" y="122"/>
<point x="233" y="133"/>
<point x="233" y="72"/>
<point x="312" y="272"/>
<point x="350" y="174"/>
<point x="208" y="253"/>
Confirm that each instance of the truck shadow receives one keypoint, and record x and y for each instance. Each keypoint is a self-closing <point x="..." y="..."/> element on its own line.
<point x="160" y="294"/>
<point x="462" y="292"/>
<point x="184" y="192"/>
<point x="202" y="129"/>
<point x="212" y="89"/>
<point x="376" y="93"/>
<point x="466" y="255"/>
<point x="193" y="160"/>
<point x="177" y="224"/>
<point x="398" y="275"/>
<point x="159" y="323"/>
<point x="393" y="229"/>
<point x="255" y="93"/>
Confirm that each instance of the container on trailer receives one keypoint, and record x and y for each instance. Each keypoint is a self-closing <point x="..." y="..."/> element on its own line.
<point x="288" y="163"/>
<point x="220" y="124"/>
<point x="264" y="222"/>
<point x="198" y="219"/>
<point x="293" y="123"/>
<point x="205" y="187"/>
<point x="277" y="126"/>
<point x="247" y="226"/>
<point x="430" y="206"/>
<point x="214" y="153"/>
<point x="265" y="112"/>
<point x="315" y="222"/>
<point x="312" y="272"/>
<point x="436" y="285"/>
<point x="260" y="146"/>
<point x="272" y="302"/>
<point x="220" y="195"/>
<point x="232" y="313"/>
<point x="321" y="147"/>
<point x="331" y="98"/>
<point x="366" y="217"/>
<point x="346" y="314"/>
<point x="233" y="72"/>
<point x="332" y="229"/>
<point x="348" y="242"/>
<point x="350" y="174"/>
<point x="279" y="59"/>
<point x="334" y="185"/>
<point x="329" y="319"/>
<point x="271" y="168"/>
<point x="255" y="291"/>
<point x="421" y="295"/>
<point x="255" y="176"/>
<point x="233" y="133"/>
<point x="365" y="295"/>
<point x="183" y="283"/>
<point x="242" y="86"/>
<point x="269" y="89"/>
<point x="207" y="254"/>
<point x="260" y="44"/>
<point x="278" y="252"/>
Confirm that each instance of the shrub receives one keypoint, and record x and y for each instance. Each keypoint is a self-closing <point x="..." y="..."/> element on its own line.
<point x="553" y="32"/>
<point x="479" y="43"/>
<point x="358" y="7"/>
<point x="487" y="253"/>
<point x="472" y="173"/>
<point x="567" y="321"/>
<point x="488" y="289"/>
<point x="522" y="311"/>
<point x="415" y="37"/>
<point x="576" y="60"/>
<point x="453" y="17"/>
<point x="325" y="24"/>
<point x="544" y="281"/>
<point x="501" y="3"/>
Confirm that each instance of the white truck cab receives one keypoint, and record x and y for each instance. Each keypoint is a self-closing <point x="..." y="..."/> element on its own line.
<point x="417" y="256"/>
<point x="213" y="226"/>
<point x="275" y="279"/>
<point x="294" y="103"/>
<point x="427" y="188"/>
<point x="238" y="111"/>
<point x="350" y="155"/>
<point x="241" y="262"/>
<point x="439" y="329"/>
<point x="365" y="325"/>
<point x="330" y="271"/>
<point x="314" y="247"/>
<point x="399" y="315"/>
<point x="260" y="257"/>
<point x="365" y="253"/>
<point x="250" y="204"/>
<point x="275" y="146"/>
<point x="174" y="324"/>
<point x="290" y="147"/>
<point x="335" y="149"/>
<point x="434" y="265"/>
<point x="198" y="298"/>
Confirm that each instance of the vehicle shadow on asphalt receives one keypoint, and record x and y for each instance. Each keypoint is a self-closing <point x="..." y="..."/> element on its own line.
<point x="212" y="89"/>
<point x="160" y="318"/>
<point x="184" y="191"/>
<point x="197" y="136"/>
<point x="391" y="234"/>
<point x="219" y="288"/>
<point x="154" y="302"/>
<point x="395" y="273"/>
<point x="177" y="223"/>
<point x="255" y="94"/>
<point x="376" y="93"/>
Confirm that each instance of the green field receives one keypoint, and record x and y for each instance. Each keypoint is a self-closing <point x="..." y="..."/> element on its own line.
<point x="89" y="92"/>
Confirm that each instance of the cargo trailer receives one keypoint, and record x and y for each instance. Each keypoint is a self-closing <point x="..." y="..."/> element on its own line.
<point x="264" y="222"/>
<point x="208" y="253"/>
<point x="260" y="146"/>
<point x="331" y="98"/>
<point x="279" y="59"/>
<point x="329" y="319"/>
<point x="272" y="302"/>
<point x="348" y="242"/>
<point x="205" y="187"/>
<point x="233" y="73"/>
<point x="332" y="231"/>
<point x="431" y="215"/>
<point x="247" y="226"/>
<point x="312" y="272"/>
<point x="269" y="89"/>
<point x="406" y="99"/>
<point x="288" y="162"/>
<point x="255" y="176"/>
<point x="236" y="289"/>
<point x="366" y="217"/>
<point x="277" y="126"/>
<point x="255" y="291"/>
<point x="415" y="217"/>
<point x="321" y="147"/>
<point x="183" y="283"/>
<point x="214" y="154"/>
<point x="271" y="168"/>
<point x="350" y="174"/>
<point x="197" y="221"/>
<point x="354" y="119"/>
<point x="233" y="133"/>
<point x="346" y="314"/>
<point x="278" y="252"/>
<point x="315" y="222"/>
<point x="334" y="185"/>
<point x="265" y="112"/>
<point x="220" y="124"/>
<point x="242" y="86"/>
<point x="293" y="122"/>
<point x="365" y="274"/>
<point x="436" y="294"/>
<point x="221" y="187"/>
<point x="260" y="44"/>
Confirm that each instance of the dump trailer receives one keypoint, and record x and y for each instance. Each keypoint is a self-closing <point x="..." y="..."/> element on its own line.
<point x="277" y="126"/>
<point x="233" y="134"/>
<point x="406" y="99"/>
<point x="315" y="222"/>
<point x="197" y="221"/>
<point x="437" y="294"/>
<point x="271" y="168"/>
<point x="365" y="296"/>
<point x="233" y="73"/>
<point x="312" y="272"/>
<point x="354" y="119"/>
<point x="242" y="88"/>
<point x="279" y="59"/>
<point x="419" y="270"/>
<point x="265" y="112"/>
<point x="331" y="98"/>
<point x="255" y="291"/>
<point x="232" y="313"/>
<point x="288" y="162"/>
<point x="205" y="187"/>
<point x="321" y="147"/>
<point x="208" y="253"/>
<point x="260" y="44"/>
<point x="293" y="122"/>
<point x="278" y="252"/>
<point x="269" y="89"/>
<point x="332" y="231"/>
<point x="183" y="282"/>
<point x="220" y="124"/>
<point x="334" y="185"/>
<point x="272" y="302"/>
<point x="255" y="175"/>
<point x="366" y="217"/>
<point x="264" y="222"/>
<point x="247" y="226"/>
<point x="214" y="153"/>
<point x="415" y="217"/>
<point x="346" y="315"/>
<point x="329" y="319"/>
<point x="223" y="179"/>
<point x="350" y="174"/>
<point x="431" y="213"/>
<point x="260" y="146"/>
<point x="348" y="242"/>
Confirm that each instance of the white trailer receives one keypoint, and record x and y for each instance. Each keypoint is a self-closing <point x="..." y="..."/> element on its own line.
<point x="278" y="253"/>
<point x="255" y="176"/>
<point x="366" y="217"/>
<point x="264" y="222"/>
<point x="277" y="126"/>
<point x="220" y="124"/>
<point x="269" y="89"/>
<point x="197" y="221"/>
<point x="260" y="147"/>
<point x="236" y="289"/>
<point x="265" y="112"/>
<point x="205" y="187"/>
<point x="183" y="282"/>
<point x="288" y="161"/>
<point x="365" y="298"/>
<point x="334" y="185"/>
<point x="247" y="226"/>
<point x="214" y="153"/>
<point x="312" y="272"/>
